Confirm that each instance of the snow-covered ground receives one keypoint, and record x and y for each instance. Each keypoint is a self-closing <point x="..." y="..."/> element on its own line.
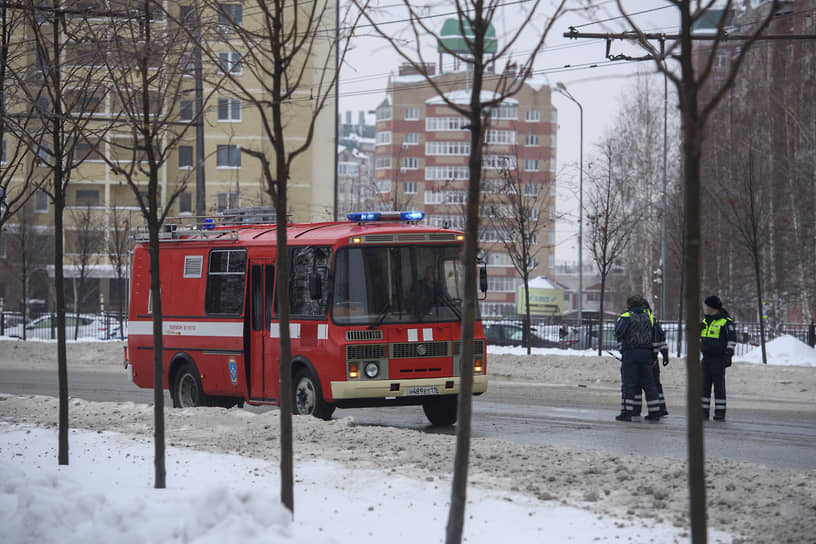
<point x="356" y="483"/>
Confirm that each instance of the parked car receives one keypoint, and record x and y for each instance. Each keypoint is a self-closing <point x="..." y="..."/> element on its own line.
<point x="508" y="334"/>
<point x="609" y="340"/>
<point x="42" y="328"/>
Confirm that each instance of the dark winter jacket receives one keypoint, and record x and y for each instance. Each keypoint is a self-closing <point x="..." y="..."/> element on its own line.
<point x="635" y="329"/>
<point x="718" y="337"/>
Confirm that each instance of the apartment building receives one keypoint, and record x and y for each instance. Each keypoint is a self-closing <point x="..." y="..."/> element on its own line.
<point x="421" y="164"/>
<point x="100" y="204"/>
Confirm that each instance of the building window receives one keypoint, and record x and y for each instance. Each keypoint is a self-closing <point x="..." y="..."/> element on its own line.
<point x="531" y="140"/>
<point x="533" y="116"/>
<point x="444" y="173"/>
<point x="409" y="188"/>
<point x="229" y="62"/>
<point x="230" y="14"/>
<point x="531" y="189"/>
<point x="185" y="203"/>
<point x="224" y="201"/>
<point x="382" y="162"/>
<point x="499" y="162"/>
<point x="446" y="123"/>
<point x="410" y="163"/>
<point x="86" y="197"/>
<point x="504" y="111"/>
<point x="186" y="110"/>
<point x="187" y="16"/>
<point x="384" y="113"/>
<point x="41" y="202"/>
<point x="500" y="137"/>
<point x="460" y="148"/>
<point x="434" y="197"/>
<point x="410" y="138"/>
<point x="531" y="165"/>
<point x="185" y="156"/>
<point x="384" y="137"/>
<point x="411" y="114"/>
<point x="228" y="156"/>
<point x="229" y="109"/>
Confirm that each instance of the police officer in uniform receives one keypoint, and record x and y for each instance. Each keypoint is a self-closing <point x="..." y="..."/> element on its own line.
<point x="660" y="346"/>
<point x="635" y="333"/>
<point x="718" y="337"/>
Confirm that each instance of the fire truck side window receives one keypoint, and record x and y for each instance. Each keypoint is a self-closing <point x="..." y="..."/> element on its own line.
<point x="225" y="282"/>
<point x="306" y="263"/>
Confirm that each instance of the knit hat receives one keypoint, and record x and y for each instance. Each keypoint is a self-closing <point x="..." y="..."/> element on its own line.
<point x="634" y="300"/>
<point x="713" y="301"/>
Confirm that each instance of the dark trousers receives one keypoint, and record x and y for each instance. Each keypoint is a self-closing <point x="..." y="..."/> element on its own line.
<point x="636" y="373"/>
<point x="639" y="396"/>
<point x="714" y="375"/>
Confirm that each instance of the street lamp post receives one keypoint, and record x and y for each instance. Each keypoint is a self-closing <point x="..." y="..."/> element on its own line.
<point x="563" y="90"/>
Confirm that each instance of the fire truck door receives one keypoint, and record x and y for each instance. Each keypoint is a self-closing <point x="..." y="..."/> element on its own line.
<point x="261" y="375"/>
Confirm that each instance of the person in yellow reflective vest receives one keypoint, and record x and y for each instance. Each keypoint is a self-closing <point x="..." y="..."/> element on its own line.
<point x="635" y="333"/>
<point x="718" y="337"/>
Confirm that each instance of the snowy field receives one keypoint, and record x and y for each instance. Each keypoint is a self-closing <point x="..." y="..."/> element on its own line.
<point x="373" y="484"/>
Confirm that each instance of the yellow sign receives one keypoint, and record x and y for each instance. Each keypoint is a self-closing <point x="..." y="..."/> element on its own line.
<point x="542" y="301"/>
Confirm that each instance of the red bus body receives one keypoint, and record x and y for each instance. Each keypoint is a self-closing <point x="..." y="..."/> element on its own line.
<point x="375" y="349"/>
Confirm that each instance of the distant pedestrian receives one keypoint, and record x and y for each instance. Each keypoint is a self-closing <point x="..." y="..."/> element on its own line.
<point x="718" y="337"/>
<point x="635" y="333"/>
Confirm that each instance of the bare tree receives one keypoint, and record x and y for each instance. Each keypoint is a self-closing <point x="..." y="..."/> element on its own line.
<point x="610" y="224"/>
<point x="117" y="248"/>
<point x="748" y="214"/>
<point x="693" y="74"/>
<point x="288" y="63"/>
<point x="520" y="213"/>
<point x="484" y="91"/>
<point x="145" y="60"/>
<point x="83" y="251"/>
<point x="18" y="182"/>
<point x="59" y="86"/>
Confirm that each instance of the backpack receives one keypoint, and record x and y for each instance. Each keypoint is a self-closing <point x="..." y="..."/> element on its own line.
<point x="639" y="332"/>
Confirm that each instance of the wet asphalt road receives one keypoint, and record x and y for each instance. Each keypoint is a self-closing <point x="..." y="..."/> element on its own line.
<point x="776" y="436"/>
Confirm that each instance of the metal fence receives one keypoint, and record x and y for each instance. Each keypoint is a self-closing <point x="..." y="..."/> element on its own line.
<point x="101" y="326"/>
<point x="584" y="334"/>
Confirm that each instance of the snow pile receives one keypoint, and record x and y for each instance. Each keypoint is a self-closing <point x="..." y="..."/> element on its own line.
<point x="106" y="495"/>
<point x="783" y="350"/>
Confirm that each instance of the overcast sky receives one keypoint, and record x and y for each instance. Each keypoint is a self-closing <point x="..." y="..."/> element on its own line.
<point x="581" y="65"/>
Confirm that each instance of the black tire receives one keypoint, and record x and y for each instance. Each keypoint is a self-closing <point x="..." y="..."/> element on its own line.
<point x="441" y="411"/>
<point x="187" y="389"/>
<point x="307" y="397"/>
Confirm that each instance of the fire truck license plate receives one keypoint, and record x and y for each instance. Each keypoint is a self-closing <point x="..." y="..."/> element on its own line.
<point x="423" y="390"/>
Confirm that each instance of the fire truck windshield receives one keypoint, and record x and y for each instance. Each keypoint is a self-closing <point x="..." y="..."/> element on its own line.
<point x="397" y="284"/>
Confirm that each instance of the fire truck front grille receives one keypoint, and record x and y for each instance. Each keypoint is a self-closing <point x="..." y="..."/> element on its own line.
<point x="442" y="237"/>
<point x="419" y="349"/>
<point x="356" y="352"/>
<point x="357" y="336"/>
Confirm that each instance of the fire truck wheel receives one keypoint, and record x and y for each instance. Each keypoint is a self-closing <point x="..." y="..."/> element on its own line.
<point x="308" y="398"/>
<point x="441" y="411"/>
<point x="187" y="390"/>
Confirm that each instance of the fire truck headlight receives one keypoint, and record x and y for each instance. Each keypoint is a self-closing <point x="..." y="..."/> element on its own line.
<point x="353" y="370"/>
<point x="477" y="366"/>
<point x="372" y="369"/>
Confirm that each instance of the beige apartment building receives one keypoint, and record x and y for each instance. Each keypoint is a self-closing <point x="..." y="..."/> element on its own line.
<point x="421" y="164"/>
<point x="101" y="201"/>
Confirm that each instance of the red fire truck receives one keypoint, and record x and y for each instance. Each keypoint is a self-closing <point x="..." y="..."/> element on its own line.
<point x="375" y="312"/>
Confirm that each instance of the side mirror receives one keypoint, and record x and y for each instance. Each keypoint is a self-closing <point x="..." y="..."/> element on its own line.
<point x="315" y="287"/>
<point x="483" y="279"/>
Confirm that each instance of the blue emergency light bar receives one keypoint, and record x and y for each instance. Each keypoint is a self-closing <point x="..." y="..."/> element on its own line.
<point x="360" y="217"/>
